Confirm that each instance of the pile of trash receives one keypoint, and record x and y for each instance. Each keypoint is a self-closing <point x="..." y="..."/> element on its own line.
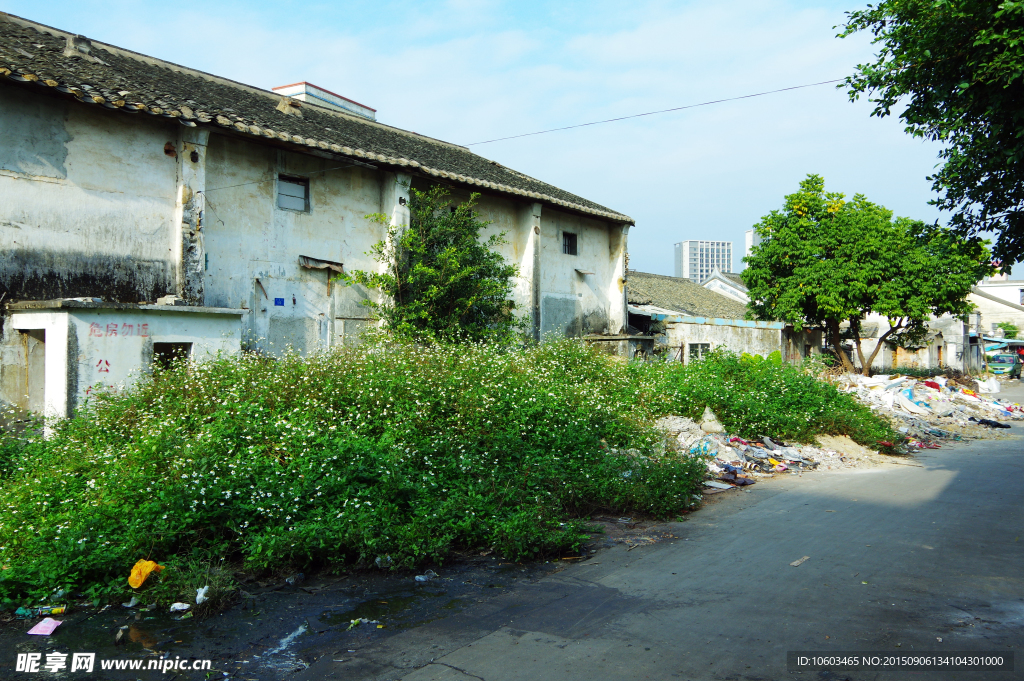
<point x="934" y="408"/>
<point x="735" y="462"/>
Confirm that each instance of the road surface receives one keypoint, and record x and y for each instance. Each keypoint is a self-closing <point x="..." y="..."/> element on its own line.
<point x="921" y="556"/>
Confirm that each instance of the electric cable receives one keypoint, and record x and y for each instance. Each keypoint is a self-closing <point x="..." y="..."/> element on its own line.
<point x="660" y="111"/>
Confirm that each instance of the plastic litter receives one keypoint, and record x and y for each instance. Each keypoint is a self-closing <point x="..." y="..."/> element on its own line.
<point x="426" y="576"/>
<point x="201" y="595"/>
<point x="383" y="561"/>
<point x="362" y="620"/>
<point x="716" y="485"/>
<point x="297" y="578"/>
<point x="44" y="628"/>
<point x="180" y="607"/>
<point x="141" y="570"/>
<point x="132" y="603"/>
<point x="799" y="561"/>
<point x="709" y="422"/>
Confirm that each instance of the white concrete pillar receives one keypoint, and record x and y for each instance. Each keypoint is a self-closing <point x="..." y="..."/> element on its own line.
<point x="532" y="261"/>
<point x="618" y="312"/>
<point x="187" y="242"/>
<point x="57" y="349"/>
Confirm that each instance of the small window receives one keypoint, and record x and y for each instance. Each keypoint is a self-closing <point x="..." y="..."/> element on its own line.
<point x="164" y="354"/>
<point x="698" y="350"/>
<point x="293" y="193"/>
<point x="568" y="243"/>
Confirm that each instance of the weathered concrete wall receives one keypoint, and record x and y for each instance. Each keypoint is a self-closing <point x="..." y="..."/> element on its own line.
<point x="796" y="345"/>
<point x="89" y="347"/>
<point x="129" y="209"/>
<point x="253" y="247"/>
<point x="580" y="294"/>
<point x="85" y="202"/>
<point x="755" y="341"/>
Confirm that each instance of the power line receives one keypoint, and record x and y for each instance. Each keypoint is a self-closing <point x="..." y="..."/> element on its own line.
<point x="661" y="111"/>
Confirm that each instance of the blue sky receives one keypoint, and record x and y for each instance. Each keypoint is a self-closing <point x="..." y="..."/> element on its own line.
<point x="472" y="70"/>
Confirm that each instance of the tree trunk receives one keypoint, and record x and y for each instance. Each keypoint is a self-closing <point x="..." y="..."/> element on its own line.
<point x="881" y="339"/>
<point x="865" y="367"/>
<point x="833" y="331"/>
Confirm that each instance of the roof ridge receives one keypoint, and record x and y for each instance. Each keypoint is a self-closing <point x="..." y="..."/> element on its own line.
<point x="465" y="168"/>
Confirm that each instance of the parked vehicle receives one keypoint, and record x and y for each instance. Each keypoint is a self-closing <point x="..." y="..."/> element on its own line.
<point x="1005" y="365"/>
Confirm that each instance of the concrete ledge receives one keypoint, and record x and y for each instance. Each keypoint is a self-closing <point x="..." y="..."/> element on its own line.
<point x="72" y="303"/>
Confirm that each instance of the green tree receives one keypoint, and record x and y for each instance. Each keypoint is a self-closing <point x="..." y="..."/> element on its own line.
<point x="958" y="67"/>
<point x="1010" y="329"/>
<point x="440" y="281"/>
<point x="823" y="261"/>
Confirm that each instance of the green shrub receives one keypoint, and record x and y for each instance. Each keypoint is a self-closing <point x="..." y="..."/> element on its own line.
<point x="753" y="397"/>
<point x="393" y="452"/>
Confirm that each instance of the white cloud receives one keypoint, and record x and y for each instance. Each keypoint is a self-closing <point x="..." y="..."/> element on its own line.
<point x="471" y="70"/>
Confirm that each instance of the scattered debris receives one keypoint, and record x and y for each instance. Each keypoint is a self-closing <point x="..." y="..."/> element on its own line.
<point x="299" y="576"/>
<point x="709" y="422"/>
<point x="362" y="620"/>
<point x="940" y="408"/>
<point x="799" y="561"/>
<point x="180" y="607"/>
<point x="426" y="576"/>
<point x="141" y="570"/>
<point x="39" y="611"/>
<point x="45" y="628"/>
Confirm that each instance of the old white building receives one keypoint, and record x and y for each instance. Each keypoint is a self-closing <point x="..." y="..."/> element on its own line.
<point x="125" y="180"/>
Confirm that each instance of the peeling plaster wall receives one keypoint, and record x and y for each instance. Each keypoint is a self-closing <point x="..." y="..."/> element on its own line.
<point x="129" y="209"/>
<point x="86" y="202"/>
<point x="111" y="348"/>
<point x="754" y="341"/>
<point x="253" y="247"/>
<point x="573" y="303"/>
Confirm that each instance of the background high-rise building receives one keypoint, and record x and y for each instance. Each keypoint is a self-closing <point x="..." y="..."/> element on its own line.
<point x="696" y="260"/>
<point x="750" y="239"/>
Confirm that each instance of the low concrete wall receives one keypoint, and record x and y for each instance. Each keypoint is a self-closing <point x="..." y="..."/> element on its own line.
<point x="87" y="347"/>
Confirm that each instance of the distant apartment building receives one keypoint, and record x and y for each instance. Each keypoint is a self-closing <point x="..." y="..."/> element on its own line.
<point x="697" y="260"/>
<point x="750" y="239"/>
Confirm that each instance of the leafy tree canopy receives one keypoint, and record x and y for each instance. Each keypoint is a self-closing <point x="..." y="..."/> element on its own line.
<point x="958" y="65"/>
<point x="440" y="281"/>
<point x="1010" y="330"/>
<point x="823" y="261"/>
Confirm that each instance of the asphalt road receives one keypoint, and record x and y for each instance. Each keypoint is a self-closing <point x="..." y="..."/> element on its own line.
<point x="904" y="559"/>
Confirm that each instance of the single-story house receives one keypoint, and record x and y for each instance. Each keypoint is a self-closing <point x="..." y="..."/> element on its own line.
<point x="728" y="284"/>
<point x="148" y="208"/>
<point x="688" y="320"/>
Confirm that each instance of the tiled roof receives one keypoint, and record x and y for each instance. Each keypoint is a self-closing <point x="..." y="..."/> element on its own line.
<point x="735" y="278"/>
<point x="681" y="295"/>
<point x="123" y="81"/>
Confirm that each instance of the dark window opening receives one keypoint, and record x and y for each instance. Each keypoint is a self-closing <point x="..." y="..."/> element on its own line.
<point x="164" y="354"/>
<point x="699" y="350"/>
<point x="568" y="243"/>
<point x="293" y="193"/>
<point x="640" y="322"/>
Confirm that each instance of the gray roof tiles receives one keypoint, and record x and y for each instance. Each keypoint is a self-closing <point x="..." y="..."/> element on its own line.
<point x="681" y="295"/>
<point x="118" y="79"/>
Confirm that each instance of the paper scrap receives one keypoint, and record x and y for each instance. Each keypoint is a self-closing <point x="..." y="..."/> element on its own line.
<point x="45" y="628"/>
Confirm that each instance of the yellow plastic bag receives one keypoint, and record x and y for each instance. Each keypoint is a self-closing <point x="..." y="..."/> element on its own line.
<point x="141" y="570"/>
<point x="773" y="461"/>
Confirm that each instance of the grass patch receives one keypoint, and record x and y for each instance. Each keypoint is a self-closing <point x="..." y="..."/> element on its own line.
<point x="398" y="453"/>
